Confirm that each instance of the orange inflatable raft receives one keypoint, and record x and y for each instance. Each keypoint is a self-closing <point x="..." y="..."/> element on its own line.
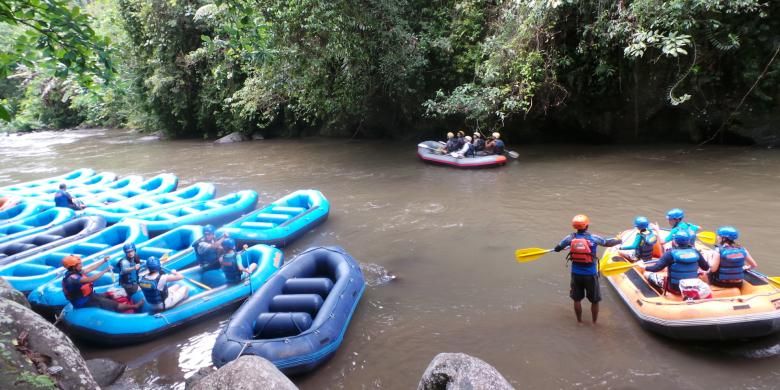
<point x="752" y="310"/>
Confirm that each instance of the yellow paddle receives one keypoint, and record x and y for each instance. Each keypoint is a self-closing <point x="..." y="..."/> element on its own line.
<point x="707" y="237"/>
<point x="525" y="255"/>
<point x="613" y="269"/>
<point x="774" y="280"/>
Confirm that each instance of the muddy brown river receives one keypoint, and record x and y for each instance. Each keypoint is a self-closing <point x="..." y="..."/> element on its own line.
<point x="448" y="236"/>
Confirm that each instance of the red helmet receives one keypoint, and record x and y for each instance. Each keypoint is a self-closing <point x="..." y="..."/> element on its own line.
<point x="71" y="261"/>
<point x="580" y="222"/>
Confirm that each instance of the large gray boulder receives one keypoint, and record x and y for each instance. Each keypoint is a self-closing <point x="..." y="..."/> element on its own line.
<point x="8" y="292"/>
<point x="246" y="373"/>
<point x="458" y="371"/>
<point x="34" y="354"/>
<point x="231" y="138"/>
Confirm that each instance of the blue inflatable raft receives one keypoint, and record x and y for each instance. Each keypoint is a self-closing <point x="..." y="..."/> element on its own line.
<point x="173" y="248"/>
<point x="73" y="178"/>
<point x="35" y="223"/>
<point x="22" y="210"/>
<point x="160" y="184"/>
<point x="282" y="221"/>
<point x="76" y="229"/>
<point x="31" y="272"/>
<point x="86" y="191"/>
<point x="109" y="328"/>
<point x="215" y="212"/>
<point x="297" y="320"/>
<point x="128" y="208"/>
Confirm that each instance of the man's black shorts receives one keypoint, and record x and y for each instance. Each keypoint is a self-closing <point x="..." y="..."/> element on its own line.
<point x="585" y="285"/>
<point x="102" y="302"/>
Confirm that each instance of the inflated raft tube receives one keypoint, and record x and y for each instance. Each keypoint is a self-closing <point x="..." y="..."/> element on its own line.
<point x="71" y="179"/>
<point x="21" y="211"/>
<point x="752" y="310"/>
<point x="177" y="245"/>
<point x="108" y="328"/>
<point x="427" y="151"/>
<point x="215" y="212"/>
<point x="53" y="237"/>
<point x="115" y="212"/>
<point x="297" y="320"/>
<point x="35" y="223"/>
<point x="160" y="184"/>
<point x="84" y="192"/>
<point x="282" y="221"/>
<point x="8" y="202"/>
<point x="33" y="271"/>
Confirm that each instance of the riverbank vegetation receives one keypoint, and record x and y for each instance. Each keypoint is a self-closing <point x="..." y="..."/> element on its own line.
<point x="622" y="70"/>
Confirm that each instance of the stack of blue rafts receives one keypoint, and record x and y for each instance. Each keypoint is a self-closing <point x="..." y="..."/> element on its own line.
<point x="296" y="317"/>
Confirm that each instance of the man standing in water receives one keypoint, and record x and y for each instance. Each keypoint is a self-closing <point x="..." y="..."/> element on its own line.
<point x="584" y="264"/>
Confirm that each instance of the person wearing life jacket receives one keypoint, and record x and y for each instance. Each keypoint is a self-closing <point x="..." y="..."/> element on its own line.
<point x="77" y="286"/>
<point x="155" y="287"/>
<point x="479" y="143"/>
<point x="62" y="198"/>
<point x="127" y="268"/>
<point x="683" y="261"/>
<point x="584" y="264"/>
<point x="208" y="249"/>
<point x="498" y="144"/>
<point x="460" y="138"/>
<point x="727" y="266"/>
<point x="644" y="241"/>
<point x="675" y="218"/>
<point x="466" y="151"/>
<point x="231" y="263"/>
<point x="452" y="143"/>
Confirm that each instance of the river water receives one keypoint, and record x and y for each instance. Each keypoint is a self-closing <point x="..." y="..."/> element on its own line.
<point x="448" y="237"/>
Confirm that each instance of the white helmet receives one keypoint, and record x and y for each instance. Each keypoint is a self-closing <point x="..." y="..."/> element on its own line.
<point x="450" y="135"/>
<point x="468" y="138"/>
<point x="496" y="135"/>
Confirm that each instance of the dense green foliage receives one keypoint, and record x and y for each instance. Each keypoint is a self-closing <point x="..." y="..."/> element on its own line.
<point x="387" y="67"/>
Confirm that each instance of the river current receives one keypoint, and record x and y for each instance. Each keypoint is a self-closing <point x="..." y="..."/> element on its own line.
<point x="436" y="246"/>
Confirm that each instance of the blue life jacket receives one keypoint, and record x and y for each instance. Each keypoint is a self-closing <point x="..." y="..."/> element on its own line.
<point x="479" y="144"/>
<point x="61" y="199"/>
<point x="470" y="151"/>
<point x="149" y="287"/>
<point x="498" y="148"/>
<point x="691" y="229"/>
<point x="461" y="141"/>
<point x="77" y="293"/>
<point x="452" y="145"/>
<point x="208" y="257"/>
<point x="644" y="251"/>
<point x="732" y="259"/>
<point x="685" y="266"/>
<point x="130" y="278"/>
<point x="229" y="265"/>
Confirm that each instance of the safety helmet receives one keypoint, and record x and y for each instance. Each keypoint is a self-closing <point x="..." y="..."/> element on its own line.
<point x="208" y="229"/>
<point x="729" y="232"/>
<point x="580" y="222"/>
<point x="641" y="222"/>
<point x="153" y="264"/>
<point x="461" y="133"/>
<point x="129" y="247"/>
<point x="477" y="134"/>
<point x="450" y="135"/>
<point x="681" y="237"/>
<point x="468" y="138"/>
<point x="229" y="243"/>
<point x="496" y="135"/>
<point x="675" y="214"/>
<point x="71" y="261"/>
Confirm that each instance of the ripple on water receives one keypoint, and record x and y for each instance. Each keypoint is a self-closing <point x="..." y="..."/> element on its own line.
<point x="196" y="352"/>
<point x="375" y="274"/>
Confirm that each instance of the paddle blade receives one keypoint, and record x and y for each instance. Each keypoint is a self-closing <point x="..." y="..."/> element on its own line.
<point x="707" y="237"/>
<point x="616" y="268"/>
<point x="513" y="154"/>
<point x="530" y="254"/>
<point x="775" y="280"/>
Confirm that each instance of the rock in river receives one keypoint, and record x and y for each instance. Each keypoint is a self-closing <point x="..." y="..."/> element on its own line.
<point x="245" y="373"/>
<point x="453" y="371"/>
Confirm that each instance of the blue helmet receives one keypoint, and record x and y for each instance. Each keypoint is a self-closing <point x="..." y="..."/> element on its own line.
<point x="681" y="237"/>
<point x="729" y="232"/>
<point x="641" y="222"/>
<point x="129" y="247"/>
<point x="675" y="214"/>
<point x="208" y="229"/>
<point x="229" y="243"/>
<point x="153" y="264"/>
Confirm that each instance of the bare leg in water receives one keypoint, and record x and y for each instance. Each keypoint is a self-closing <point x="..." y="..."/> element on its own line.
<point x="594" y="311"/>
<point x="578" y="310"/>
